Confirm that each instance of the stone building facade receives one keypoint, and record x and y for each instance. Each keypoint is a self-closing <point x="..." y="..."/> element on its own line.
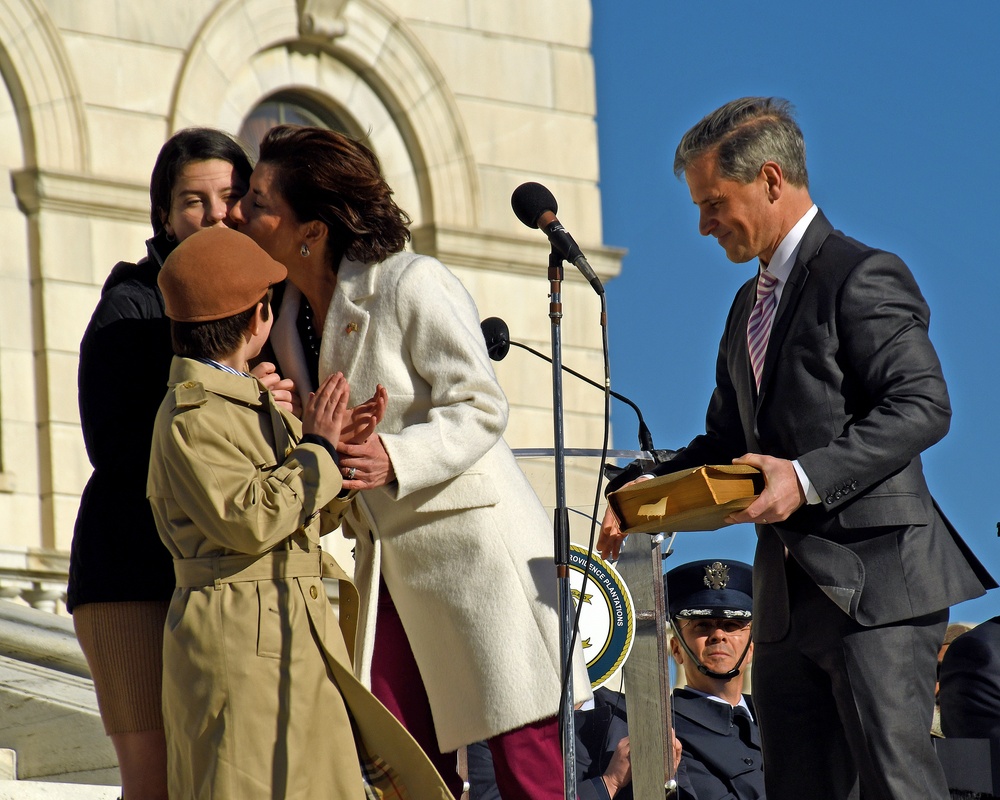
<point x="463" y="100"/>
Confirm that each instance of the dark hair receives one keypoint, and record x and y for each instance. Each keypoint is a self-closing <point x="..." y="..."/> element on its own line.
<point x="332" y="178"/>
<point x="216" y="338"/>
<point x="185" y="147"/>
<point x="745" y="134"/>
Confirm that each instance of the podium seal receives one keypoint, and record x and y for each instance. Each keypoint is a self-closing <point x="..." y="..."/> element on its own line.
<point x="607" y="622"/>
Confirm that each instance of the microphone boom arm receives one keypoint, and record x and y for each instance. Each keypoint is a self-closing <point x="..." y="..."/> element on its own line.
<point x="645" y="437"/>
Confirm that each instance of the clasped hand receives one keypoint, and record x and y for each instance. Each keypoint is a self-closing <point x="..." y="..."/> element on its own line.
<point x="781" y="497"/>
<point x="364" y="462"/>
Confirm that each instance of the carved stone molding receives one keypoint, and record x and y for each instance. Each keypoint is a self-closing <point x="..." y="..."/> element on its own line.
<point x="77" y="193"/>
<point x="320" y="19"/>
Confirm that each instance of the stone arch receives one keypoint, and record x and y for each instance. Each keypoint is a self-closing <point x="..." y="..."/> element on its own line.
<point x="371" y="69"/>
<point x="43" y="88"/>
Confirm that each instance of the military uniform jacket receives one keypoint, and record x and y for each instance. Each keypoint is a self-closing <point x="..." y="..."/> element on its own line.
<point x="721" y="758"/>
<point x="259" y="696"/>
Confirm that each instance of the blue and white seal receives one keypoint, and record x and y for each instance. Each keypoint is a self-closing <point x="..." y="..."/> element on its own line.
<point x="607" y="622"/>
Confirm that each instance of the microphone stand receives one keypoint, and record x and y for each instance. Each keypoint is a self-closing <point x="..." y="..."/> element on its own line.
<point x="561" y="532"/>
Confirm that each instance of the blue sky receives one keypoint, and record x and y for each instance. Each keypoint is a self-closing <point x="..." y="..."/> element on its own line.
<point x="899" y="103"/>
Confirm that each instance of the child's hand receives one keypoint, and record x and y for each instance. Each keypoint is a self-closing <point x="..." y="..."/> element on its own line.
<point x="283" y="389"/>
<point x="363" y="418"/>
<point x="326" y="411"/>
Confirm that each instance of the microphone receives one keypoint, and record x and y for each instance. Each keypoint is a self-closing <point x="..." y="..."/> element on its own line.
<point x="497" y="336"/>
<point x="498" y="343"/>
<point x="536" y="207"/>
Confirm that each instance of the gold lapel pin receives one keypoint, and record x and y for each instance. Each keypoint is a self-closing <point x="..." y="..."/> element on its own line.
<point x="352" y="327"/>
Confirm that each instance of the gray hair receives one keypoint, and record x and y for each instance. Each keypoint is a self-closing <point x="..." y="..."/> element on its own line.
<point x="745" y="134"/>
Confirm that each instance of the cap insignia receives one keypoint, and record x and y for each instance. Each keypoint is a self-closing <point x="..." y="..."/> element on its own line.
<point x="716" y="575"/>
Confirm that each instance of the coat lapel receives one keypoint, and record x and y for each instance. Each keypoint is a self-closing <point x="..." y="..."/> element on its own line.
<point x="742" y="371"/>
<point x="286" y="343"/>
<point x="347" y="321"/>
<point x="813" y="239"/>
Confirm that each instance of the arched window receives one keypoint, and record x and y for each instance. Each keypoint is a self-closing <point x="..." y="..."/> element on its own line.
<point x="292" y="107"/>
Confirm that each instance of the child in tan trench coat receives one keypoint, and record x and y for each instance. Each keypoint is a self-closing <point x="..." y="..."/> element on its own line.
<point x="259" y="696"/>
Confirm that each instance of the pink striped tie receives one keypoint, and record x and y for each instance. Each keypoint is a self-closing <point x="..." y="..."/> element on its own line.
<point x="759" y="324"/>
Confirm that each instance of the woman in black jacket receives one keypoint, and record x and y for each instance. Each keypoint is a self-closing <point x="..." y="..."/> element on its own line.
<point x="121" y="576"/>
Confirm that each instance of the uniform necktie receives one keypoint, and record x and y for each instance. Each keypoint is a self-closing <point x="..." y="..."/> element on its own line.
<point x="743" y="721"/>
<point x="759" y="324"/>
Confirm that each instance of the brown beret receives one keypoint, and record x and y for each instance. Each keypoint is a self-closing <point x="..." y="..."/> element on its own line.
<point x="216" y="273"/>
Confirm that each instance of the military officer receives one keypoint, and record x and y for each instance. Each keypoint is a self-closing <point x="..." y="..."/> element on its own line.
<point x="710" y="608"/>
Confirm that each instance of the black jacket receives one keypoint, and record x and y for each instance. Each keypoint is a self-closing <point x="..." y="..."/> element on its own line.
<point x="970" y="684"/>
<point x="125" y="355"/>
<point x="721" y="758"/>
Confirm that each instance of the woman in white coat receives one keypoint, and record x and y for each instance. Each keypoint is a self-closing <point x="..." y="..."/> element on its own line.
<point x="458" y="634"/>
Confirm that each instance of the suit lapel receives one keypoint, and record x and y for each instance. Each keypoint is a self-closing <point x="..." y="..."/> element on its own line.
<point x="741" y="370"/>
<point x="347" y="322"/>
<point x="813" y="239"/>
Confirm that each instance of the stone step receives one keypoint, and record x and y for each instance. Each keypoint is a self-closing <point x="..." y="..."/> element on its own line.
<point x="48" y="708"/>
<point x="13" y="789"/>
<point x="43" y="790"/>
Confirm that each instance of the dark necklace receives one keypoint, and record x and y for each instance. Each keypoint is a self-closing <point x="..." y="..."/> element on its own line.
<point x="311" y="340"/>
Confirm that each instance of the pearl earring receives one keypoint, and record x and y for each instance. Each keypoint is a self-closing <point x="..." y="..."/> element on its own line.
<point x="304" y="251"/>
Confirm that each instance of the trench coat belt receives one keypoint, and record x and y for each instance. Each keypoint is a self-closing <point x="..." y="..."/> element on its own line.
<point x="276" y="565"/>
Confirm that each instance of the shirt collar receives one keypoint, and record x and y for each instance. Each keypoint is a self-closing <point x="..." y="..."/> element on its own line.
<point x="741" y="704"/>
<point x="784" y="257"/>
<point x="225" y="368"/>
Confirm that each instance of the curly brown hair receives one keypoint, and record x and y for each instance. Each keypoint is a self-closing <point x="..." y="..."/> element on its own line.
<point x="326" y="176"/>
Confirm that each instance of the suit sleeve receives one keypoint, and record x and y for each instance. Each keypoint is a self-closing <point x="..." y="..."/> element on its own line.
<point x="592" y="789"/>
<point x="685" y="789"/>
<point x="443" y="340"/>
<point x="897" y="401"/>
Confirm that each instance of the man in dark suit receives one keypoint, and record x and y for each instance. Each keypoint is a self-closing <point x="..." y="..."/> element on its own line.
<point x="827" y="382"/>
<point x="970" y="684"/>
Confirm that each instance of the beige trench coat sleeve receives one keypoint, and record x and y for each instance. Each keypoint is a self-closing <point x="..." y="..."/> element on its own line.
<point x="233" y="503"/>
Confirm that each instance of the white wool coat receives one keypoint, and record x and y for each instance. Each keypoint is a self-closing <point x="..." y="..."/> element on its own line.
<point x="460" y="537"/>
